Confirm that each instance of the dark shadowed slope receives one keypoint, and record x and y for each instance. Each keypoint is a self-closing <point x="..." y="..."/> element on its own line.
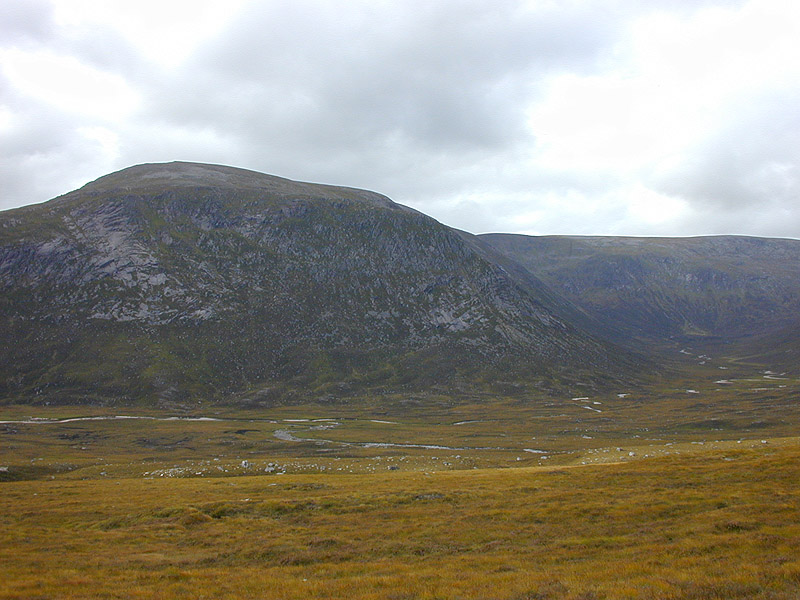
<point x="732" y="290"/>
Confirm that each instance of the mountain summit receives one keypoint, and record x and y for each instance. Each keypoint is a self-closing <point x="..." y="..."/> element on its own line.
<point x="182" y="282"/>
<point x="157" y="177"/>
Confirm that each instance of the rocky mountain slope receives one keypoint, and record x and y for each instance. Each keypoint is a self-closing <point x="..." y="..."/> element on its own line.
<point x="739" y="291"/>
<point x="179" y="282"/>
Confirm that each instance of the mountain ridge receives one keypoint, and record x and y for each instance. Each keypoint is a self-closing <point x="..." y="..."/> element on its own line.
<point x="731" y="290"/>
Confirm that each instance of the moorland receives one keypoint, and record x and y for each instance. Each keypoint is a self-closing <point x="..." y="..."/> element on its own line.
<point x="674" y="493"/>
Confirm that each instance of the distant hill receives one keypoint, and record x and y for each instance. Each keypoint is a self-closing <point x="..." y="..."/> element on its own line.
<point x="742" y="293"/>
<point x="178" y="283"/>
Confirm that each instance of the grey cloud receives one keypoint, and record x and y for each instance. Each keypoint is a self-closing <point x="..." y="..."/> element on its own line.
<point x="767" y="220"/>
<point x="752" y="163"/>
<point x="25" y="21"/>
<point x="399" y="97"/>
<point x="59" y="161"/>
<point x="423" y="101"/>
<point x="441" y="74"/>
<point x="29" y="24"/>
<point x="42" y="154"/>
<point x="105" y="51"/>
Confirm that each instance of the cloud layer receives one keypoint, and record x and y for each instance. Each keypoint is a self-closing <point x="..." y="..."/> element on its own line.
<point x="536" y="117"/>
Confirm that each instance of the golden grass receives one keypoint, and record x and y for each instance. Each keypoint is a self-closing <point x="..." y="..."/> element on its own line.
<point x="713" y="525"/>
<point x="663" y="494"/>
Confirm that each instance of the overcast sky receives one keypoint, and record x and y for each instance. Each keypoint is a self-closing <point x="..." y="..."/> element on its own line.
<point x="626" y="117"/>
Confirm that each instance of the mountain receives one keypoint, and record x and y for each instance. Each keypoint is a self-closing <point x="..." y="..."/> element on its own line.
<point x="742" y="293"/>
<point x="180" y="282"/>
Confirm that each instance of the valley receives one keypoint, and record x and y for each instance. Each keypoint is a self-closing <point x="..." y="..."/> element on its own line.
<point x="216" y="383"/>
<point x="693" y="497"/>
<point x="415" y="432"/>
